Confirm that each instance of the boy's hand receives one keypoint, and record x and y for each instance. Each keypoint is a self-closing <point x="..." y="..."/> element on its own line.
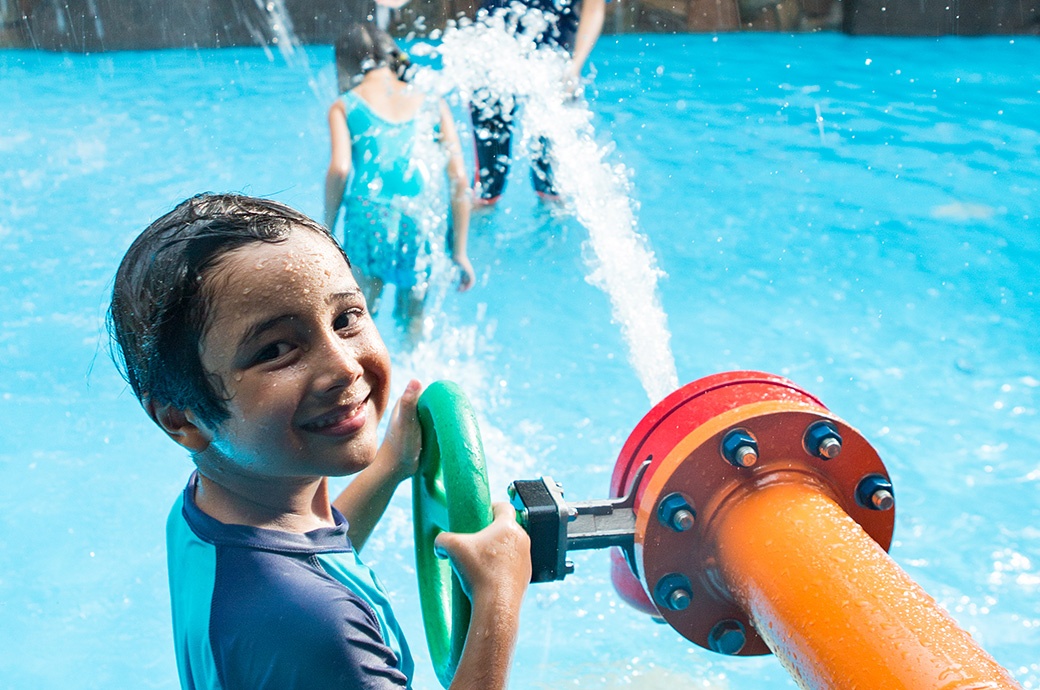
<point x="466" y="275"/>
<point x="494" y="564"/>
<point x="403" y="439"/>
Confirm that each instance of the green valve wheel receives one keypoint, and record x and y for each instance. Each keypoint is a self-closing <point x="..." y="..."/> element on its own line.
<point x="449" y="494"/>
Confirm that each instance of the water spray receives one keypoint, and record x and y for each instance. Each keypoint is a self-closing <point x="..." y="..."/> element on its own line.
<point x="500" y="58"/>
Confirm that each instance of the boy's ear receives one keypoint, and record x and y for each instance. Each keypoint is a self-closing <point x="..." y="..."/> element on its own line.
<point x="180" y="425"/>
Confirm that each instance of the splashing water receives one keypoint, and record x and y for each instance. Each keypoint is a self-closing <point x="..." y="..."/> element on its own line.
<point x="283" y="35"/>
<point x="497" y="57"/>
<point x="279" y="31"/>
<point x="459" y="354"/>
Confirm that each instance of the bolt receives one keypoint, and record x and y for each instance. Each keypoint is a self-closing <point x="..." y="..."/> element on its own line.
<point x="679" y="599"/>
<point x="740" y="448"/>
<point x="875" y="492"/>
<point x="822" y="440"/>
<point x="568" y="567"/>
<point x="673" y="592"/>
<point x="676" y="513"/>
<point x="829" y="447"/>
<point x="745" y="456"/>
<point x="882" y="499"/>
<point x="682" y="520"/>
<point x="727" y="637"/>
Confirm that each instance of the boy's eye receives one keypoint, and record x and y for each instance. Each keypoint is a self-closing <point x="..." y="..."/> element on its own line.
<point x="347" y="319"/>
<point x="272" y="351"/>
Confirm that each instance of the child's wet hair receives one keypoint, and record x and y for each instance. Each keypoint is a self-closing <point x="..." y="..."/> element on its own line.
<point x="362" y="48"/>
<point x="160" y="302"/>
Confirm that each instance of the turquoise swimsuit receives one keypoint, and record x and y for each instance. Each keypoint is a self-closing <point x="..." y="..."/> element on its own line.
<point x="387" y="231"/>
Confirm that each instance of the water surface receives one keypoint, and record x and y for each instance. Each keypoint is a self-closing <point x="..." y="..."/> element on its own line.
<point x="856" y="214"/>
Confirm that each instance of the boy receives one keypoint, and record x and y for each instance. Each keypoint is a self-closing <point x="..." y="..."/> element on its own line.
<point x="247" y="340"/>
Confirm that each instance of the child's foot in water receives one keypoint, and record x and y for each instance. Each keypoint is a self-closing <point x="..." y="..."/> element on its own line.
<point x="482" y="204"/>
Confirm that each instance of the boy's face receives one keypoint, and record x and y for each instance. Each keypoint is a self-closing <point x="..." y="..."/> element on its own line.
<point x="297" y="352"/>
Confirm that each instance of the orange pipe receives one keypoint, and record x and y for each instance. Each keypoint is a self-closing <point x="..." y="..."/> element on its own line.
<point x="830" y="603"/>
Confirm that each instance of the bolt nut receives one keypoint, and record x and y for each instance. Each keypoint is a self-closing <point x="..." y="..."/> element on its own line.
<point x="673" y="592"/>
<point x="822" y="440"/>
<point x="740" y="448"/>
<point x="676" y="513"/>
<point x="727" y="637"/>
<point x="875" y="492"/>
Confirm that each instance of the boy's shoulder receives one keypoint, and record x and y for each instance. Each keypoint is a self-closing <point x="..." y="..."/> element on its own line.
<point x="267" y="574"/>
<point x="249" y="595"/>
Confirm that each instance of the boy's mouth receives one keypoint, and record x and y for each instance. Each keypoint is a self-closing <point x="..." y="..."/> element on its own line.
<point x="343" y="420"/>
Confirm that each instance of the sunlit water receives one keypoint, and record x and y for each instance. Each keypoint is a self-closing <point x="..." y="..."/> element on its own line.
<point x="858" y="215"/>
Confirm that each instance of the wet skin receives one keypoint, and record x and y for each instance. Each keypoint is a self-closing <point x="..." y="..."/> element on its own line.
<point x="307" y="375"/>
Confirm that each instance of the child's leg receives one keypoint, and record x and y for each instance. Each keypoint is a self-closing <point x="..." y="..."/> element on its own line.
<point x="541" y="170"/>
<point x="492" y="139"/>
<point x="408" y="310"/>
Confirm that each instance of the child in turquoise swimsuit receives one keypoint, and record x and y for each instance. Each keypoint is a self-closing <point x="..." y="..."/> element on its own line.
<point x="388" y="176"/>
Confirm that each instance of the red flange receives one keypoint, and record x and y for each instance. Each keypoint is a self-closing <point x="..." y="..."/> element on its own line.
<point x="670" y="421"/>
<point x="682" y="439"/>
<point x="758" y="523"/>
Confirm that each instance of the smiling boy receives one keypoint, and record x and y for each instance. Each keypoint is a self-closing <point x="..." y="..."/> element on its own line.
<point x="247" y="340"/>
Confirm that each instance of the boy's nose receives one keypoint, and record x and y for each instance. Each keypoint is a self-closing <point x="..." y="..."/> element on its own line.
<point x="338" y="364"/>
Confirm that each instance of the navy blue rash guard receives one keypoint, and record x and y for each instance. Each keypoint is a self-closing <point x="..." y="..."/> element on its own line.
<point x="258" y="609"/>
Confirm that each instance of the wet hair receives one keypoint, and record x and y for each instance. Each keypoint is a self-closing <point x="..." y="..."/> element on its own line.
<point x="160" y="301"/>
<point x="365" y="47"/>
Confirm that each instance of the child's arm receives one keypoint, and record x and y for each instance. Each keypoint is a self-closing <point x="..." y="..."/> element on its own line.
<point x="590" y="26"/>
<point x="494" y="566"/>
<point x="366" y="497"/>
<point x="460" y="198"/>
<point x="339" y="164"/>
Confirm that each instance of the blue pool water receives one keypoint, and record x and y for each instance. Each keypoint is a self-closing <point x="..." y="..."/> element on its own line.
<point x="857" y="214"/>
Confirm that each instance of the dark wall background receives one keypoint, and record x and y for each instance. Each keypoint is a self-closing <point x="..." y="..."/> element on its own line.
<point x="99" y="25"/>
<point x="942" y="17"/>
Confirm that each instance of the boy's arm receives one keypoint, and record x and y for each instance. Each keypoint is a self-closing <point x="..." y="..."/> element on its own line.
<point x="339" y="163"/>
<point x="494" y="566"/>
<point x="365" y="499"/>
<point x="590" y="26"/>
<point x="460" y="198"/>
